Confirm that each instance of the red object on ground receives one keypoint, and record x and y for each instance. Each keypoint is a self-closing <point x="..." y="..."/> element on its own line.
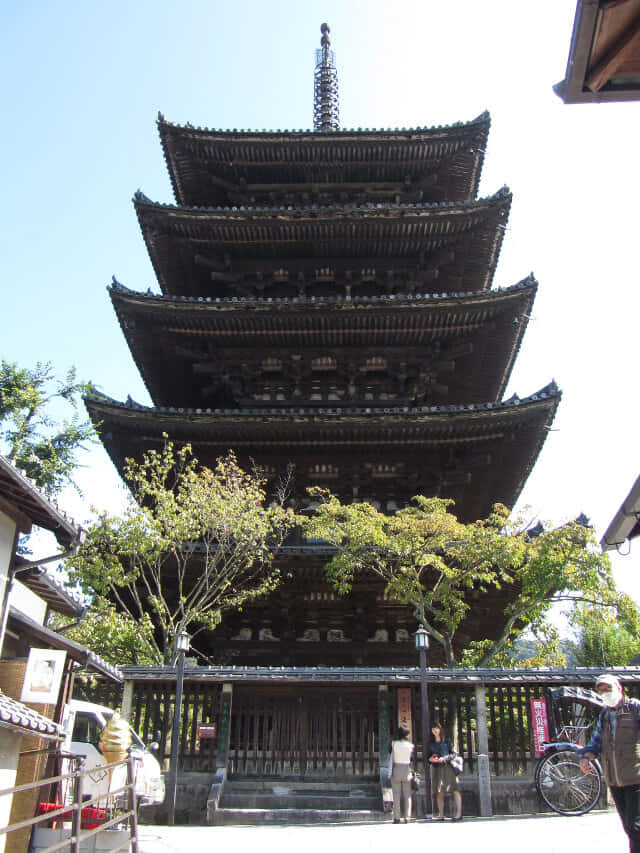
<point x="90" y="818"/>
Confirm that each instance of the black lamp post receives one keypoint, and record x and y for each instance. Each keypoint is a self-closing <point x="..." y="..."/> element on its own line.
<point x="421" y="637"/>
<point x="182" y="646"/>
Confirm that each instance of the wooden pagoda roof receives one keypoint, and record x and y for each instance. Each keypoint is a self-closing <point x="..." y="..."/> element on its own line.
<point x="604" y="57"/>
<point x="172" y="339"/>
<point x="209" y="167"/>
<point x="183" y="243"/>
<point x="493" y="445"/>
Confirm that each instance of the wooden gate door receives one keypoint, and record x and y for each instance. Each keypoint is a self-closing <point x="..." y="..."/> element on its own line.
<point x="304" y="734"/>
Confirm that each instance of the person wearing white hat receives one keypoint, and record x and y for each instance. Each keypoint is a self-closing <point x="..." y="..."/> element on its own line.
<point x="616" y="741"/>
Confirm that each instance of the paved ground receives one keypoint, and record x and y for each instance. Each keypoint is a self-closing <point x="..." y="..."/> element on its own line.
<point x="596" y="832"/>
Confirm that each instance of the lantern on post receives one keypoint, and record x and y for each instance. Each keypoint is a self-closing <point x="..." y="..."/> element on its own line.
<point x="421" y="638"/>
<point x="182" y="647"/>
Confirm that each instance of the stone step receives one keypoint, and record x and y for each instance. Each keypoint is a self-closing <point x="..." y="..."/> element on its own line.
<point x="256" y="817"/>
<point x="299" y="800"/>
<point x="267" y="793"/>
<point x="254" y="782"/>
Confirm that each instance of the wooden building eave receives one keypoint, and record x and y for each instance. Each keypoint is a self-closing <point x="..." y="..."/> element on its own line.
<point x="47" y="638"/>
<point x="401" y="451"/>
<point x="46" y="586"/>
<point x="215" y="166"/>
<point x="399" y="676"/>
<point x="604" y="56"/>
<point x="179" y="343"/>
<point x="18" y="494"/>
<point x="192" y="249"/>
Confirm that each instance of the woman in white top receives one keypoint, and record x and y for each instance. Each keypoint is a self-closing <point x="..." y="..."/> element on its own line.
<point x="401" y="775"/>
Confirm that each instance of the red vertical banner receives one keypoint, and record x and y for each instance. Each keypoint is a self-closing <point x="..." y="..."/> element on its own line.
<point x="540" y="724"/>
<point x="404" y="710"/>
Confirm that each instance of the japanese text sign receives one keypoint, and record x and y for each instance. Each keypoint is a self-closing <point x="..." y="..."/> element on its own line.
<point x="540" y="724"/>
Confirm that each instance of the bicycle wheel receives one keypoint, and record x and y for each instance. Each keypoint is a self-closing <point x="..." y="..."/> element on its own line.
<point x="564" y="787"/>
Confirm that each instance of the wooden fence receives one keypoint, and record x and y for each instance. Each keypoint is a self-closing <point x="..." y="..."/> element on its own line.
<point x="327" y="731"/>
<point x="317" y="734"/>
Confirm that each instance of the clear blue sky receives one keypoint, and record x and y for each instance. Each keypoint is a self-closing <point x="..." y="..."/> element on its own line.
<point x="82" y="87"/>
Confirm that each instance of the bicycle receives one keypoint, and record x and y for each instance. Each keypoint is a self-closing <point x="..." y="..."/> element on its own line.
<point x="559" y="779"/>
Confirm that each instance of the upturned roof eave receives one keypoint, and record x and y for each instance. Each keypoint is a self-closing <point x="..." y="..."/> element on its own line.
<point x="122" y="295"/>
<point x="477" y="130"/>
<point x="164" y="126"/>
<point x="127" y="428"/>
<point x="548" y="396"/>
<point x="501" y="198"/>
<point x="378" y="217"/>
<point x="129" y="304"/>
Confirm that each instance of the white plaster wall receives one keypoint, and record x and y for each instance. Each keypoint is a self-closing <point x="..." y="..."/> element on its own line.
<point x="9" y="751"/>
<point x="27" y="602"/>
<point x="7" y="535"/>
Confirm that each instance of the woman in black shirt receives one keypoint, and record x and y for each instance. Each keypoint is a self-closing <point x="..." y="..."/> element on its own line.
<point x="443" y="777"/>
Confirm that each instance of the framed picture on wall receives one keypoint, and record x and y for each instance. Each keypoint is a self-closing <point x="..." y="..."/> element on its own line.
<point x="43" y="675"/>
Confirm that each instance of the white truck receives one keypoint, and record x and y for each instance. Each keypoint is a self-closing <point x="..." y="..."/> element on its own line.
<point x="82" y="723"/>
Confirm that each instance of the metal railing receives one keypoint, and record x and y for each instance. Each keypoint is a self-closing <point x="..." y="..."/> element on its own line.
<point x="121" y="811"/>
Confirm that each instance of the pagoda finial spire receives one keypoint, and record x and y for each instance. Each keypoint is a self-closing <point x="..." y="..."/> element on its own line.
<point x="326" y="111"/>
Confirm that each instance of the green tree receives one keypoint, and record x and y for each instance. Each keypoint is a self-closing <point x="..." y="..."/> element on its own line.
<point x="541" y="645"/>
<point x="33" y="435"/>
<point x="191" y="544"/>
<point x="431" y="561"/>
<point x="607" y="636"/>
<point x="114" y="636"/>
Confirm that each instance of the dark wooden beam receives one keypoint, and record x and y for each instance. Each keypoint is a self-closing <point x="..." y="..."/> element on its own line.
<point x="22" y="521"/>
<point x="624" y="49"/>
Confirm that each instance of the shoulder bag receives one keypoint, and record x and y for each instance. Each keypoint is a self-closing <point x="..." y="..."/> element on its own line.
<point x="457" y="763"/>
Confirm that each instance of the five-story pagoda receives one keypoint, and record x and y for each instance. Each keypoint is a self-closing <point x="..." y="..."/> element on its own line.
<point x="326" y="302"/>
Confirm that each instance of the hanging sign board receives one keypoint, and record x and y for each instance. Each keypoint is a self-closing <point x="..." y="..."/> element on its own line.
<point x="540" y="722"/>
<point x="208" y="732"/>
<point x="404" y="710"/>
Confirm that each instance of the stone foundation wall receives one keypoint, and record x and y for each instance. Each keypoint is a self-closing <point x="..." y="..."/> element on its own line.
<point x="509" y="796"/>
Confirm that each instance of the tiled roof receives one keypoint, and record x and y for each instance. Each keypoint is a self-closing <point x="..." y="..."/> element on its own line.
<point x="550" y="391"/>
<point x="359" y="434"/>
<point x="379" y="235"/>
<point x="334" y="210"/>
<point x="397" y="675"/>
<point x="59" y="597"/>
<point x="228" y="166"/>
<point x="412" y="299"/>
<point x="243" y="329"/>
<point x="51" y="639"/>
<point x="483" y="118"/>
<point x="15" y="715"/>
<point x="17" y="489"/>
